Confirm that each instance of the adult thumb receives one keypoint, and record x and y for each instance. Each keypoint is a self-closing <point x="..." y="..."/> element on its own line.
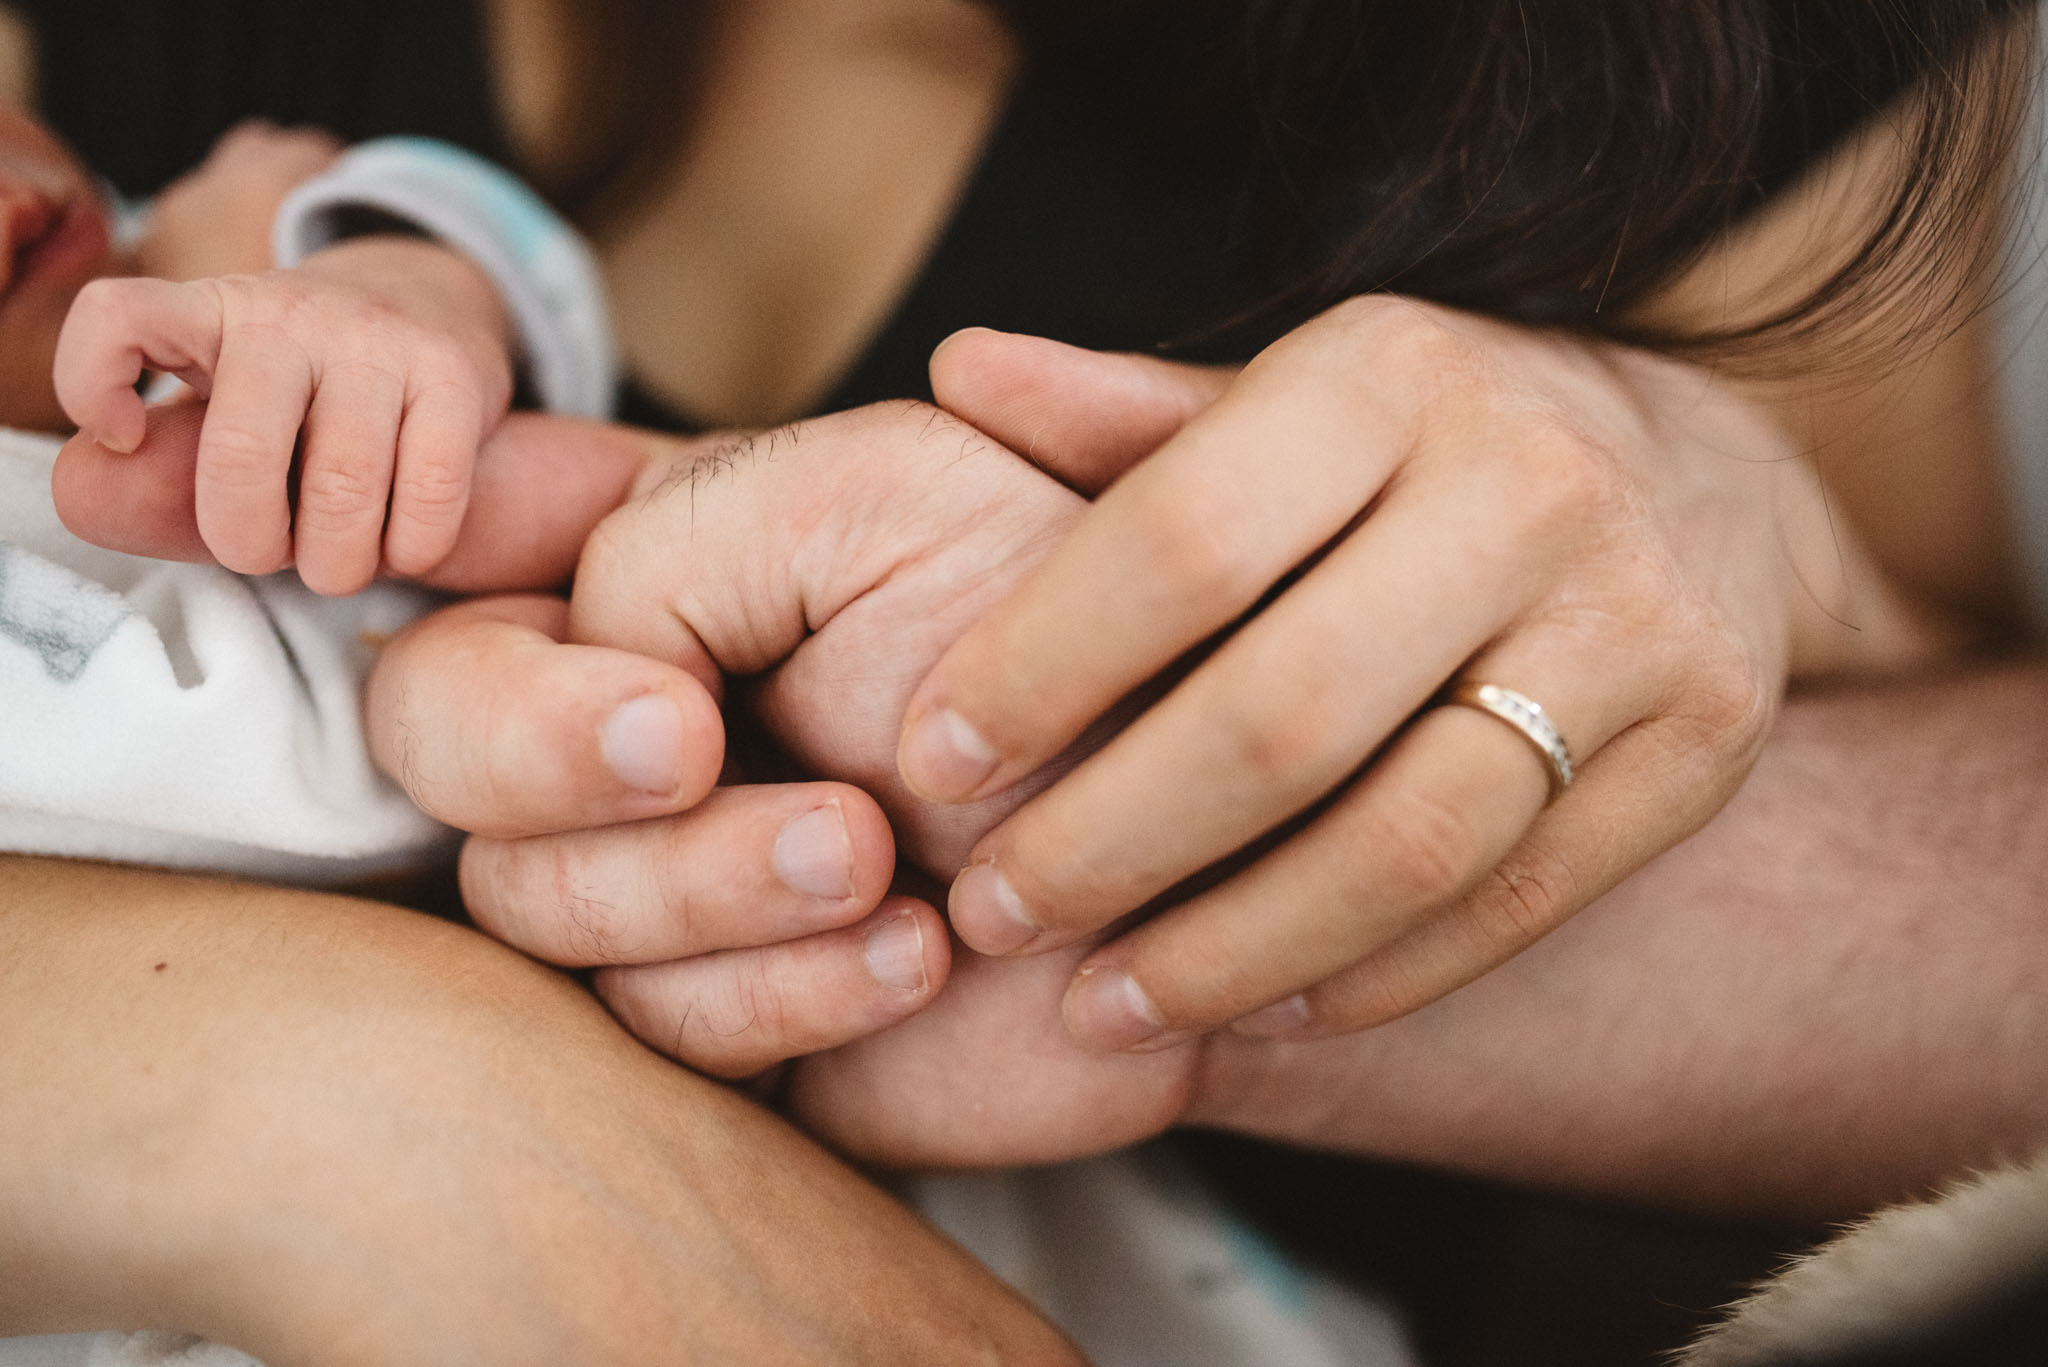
<point x="1084" y="417"/>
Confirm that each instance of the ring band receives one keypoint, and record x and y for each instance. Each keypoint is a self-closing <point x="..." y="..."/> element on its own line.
<point x="1530" y="722"/>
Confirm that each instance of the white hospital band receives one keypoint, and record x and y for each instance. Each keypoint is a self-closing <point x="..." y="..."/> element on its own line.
<point x="540" y="265"/>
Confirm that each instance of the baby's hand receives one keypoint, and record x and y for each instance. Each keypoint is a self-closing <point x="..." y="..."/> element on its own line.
<point x="346" y="400"/>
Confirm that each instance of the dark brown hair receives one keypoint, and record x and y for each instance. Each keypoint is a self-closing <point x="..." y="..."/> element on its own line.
<point x="1547" y="161"/>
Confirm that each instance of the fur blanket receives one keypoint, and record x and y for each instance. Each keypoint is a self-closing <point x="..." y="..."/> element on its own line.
<point x="1960" y="1279"/>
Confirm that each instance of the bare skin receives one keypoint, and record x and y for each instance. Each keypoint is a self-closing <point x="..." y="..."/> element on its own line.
<point x="381" y="1129"/>
<point x="832" y="141"/>
<point x="1532" y="1118"/>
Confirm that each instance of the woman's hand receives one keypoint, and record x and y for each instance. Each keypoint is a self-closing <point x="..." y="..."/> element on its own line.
<point x="330" y="1132"/>
<point x="1392" y="500"/>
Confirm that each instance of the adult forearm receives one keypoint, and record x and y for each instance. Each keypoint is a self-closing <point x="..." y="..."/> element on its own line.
<point x="1837" y="991"/>
<point x="332" y="1132"/>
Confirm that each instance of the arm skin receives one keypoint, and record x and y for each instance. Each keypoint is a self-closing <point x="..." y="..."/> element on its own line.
<point x="331" y="1132"/>
<point x="1835" y="994"/>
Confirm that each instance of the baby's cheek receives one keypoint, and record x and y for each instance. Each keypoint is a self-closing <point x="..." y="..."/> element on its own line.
<point x="987" y="1077"/>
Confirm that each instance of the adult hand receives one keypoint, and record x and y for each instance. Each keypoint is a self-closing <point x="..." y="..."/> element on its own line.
<point x="832" y="563"/>
<point x="330" y="1132"/>
<point x="734" y="928"/>
<point x="1392" y="499"/>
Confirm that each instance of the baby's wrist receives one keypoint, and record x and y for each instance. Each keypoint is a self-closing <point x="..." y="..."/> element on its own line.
<point x="437" y="287"/>
<point x="543" y="273"/>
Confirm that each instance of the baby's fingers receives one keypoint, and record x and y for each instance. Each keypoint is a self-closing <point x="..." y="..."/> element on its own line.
<point x="437" y="450"/>
<point x="345" y="477"/>
<point x="118" y="328"/>
<point x="262" y="389"/>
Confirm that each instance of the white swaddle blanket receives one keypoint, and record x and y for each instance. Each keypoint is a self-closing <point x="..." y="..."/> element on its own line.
<point x="183" y="716"/>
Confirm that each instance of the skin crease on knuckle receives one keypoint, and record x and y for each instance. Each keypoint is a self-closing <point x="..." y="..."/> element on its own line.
<point x="1427" y="851"/>
<point x="1196" y="547"/>
<point x="600" y="931"/>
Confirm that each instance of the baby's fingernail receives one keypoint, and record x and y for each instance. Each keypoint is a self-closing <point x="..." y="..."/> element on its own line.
<point x="1105" y="1008"/>
<point x="813" y="855"/>
<point x="643" y="744"/>
<point x="1271" y="1022"/>
<point x="987" y="913"/>
<point x="895" y="953"/>
<point x="946" y="759"/>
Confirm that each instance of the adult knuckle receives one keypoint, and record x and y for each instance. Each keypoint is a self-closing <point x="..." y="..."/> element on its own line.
<point x="1428" y="849"/>
<point x="1196" y="543"/>
<point x="1522" y="900"/>
<point x="1286" y="741"/>
<point x="596" y="929"/>
<point x="1563" y="476"/>
<point x="1731" y="700"/>
<point x="1396" y="324"/>
<point x="749" y="1004"/>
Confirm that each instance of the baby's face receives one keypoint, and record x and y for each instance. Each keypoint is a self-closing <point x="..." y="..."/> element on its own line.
<point x="53" y="239"/>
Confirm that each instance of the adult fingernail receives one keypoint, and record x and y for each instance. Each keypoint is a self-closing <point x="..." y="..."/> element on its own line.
<point x="944" y="758"/>
<point x="1271" y="1022"/>
<point x="813" y="855"/>
<point x="643" y="744"/>
<point x="895" y="953"/>
<point x="1107" y="1009"/>
<point x="986" y="912"/>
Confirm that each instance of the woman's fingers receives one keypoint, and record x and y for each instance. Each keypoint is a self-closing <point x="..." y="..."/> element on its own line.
<point x="1439" y="809"/>
<point x="1084" y="417"/>
<point x="493" y="726"/>
<point x="743" y="1010"/>
<point x="1282" y="713"/>
<point x="746" y="866"/>
<point x="1652" y="778"/>
<point x="1175" y="551"/>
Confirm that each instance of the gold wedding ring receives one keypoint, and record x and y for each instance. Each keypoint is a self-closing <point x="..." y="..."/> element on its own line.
<point x="1530" y="722"/>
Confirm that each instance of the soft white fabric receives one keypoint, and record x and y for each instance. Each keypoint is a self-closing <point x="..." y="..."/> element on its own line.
<point x="1143" y="1268"/>
<point x="180" y="715"/>
<point x="120" y="1350"/>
